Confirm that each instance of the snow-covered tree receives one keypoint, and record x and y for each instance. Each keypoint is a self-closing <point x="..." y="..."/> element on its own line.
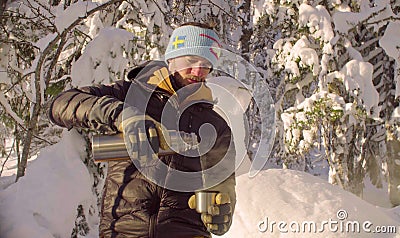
<point x="332" y="67"/>
<point x="333" y="86"/>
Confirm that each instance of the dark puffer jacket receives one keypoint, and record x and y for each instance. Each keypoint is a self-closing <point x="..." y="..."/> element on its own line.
<point x="132" y="205"/>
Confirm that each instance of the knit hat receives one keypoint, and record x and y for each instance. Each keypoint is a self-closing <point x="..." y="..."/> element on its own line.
<point x="193" y="40"/>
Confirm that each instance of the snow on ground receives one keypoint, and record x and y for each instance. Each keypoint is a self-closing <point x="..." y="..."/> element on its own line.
<point x="44" y="202"/>
<point x="287" y="203"/>
<point x="275" y="203"/>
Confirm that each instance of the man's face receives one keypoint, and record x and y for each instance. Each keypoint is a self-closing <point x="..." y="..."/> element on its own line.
<point x="189" y="69"/>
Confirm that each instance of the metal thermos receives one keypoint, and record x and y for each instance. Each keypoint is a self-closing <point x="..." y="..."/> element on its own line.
<point x="112" y="147"/>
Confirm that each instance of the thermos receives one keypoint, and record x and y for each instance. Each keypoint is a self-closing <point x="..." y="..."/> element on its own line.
<point x="112" y="147"/>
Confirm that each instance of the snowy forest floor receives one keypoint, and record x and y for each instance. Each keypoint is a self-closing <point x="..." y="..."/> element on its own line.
<point x="275" y="203"/>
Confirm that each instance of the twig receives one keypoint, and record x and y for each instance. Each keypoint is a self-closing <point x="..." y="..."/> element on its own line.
<point x="8" y="156"/>
<point x="383" y="20"/>
<point x="158" y="6"/>
<point x="41" y="62"/>
<point x="227" y="13"/>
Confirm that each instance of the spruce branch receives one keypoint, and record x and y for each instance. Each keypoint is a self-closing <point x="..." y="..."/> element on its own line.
<point x="60" y="39"/>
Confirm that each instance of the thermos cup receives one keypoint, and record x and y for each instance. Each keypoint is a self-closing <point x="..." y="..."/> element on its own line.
<point x="204" y="199"/>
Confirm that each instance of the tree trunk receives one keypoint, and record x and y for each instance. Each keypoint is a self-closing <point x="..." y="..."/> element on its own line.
<point x="247" y="29"/>
<point x="393" y="151"/>
<point x="2" y="7"/>
<point x="28" y="140"/>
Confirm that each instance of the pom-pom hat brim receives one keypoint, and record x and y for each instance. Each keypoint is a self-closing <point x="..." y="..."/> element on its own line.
<point x="193" y="40"/>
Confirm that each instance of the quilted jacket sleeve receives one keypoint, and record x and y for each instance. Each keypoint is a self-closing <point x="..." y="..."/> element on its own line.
<point x="221" y="162"/>
<point x="94" y="107"/>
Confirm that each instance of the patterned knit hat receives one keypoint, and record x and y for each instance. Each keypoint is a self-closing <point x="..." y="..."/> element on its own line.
<point x="194" y="40"/>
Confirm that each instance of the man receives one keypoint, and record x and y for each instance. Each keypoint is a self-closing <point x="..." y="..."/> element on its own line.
<point x="140" y="199"/>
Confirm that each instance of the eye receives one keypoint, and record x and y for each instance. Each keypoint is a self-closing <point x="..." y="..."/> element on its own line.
<point x="206" y="65"/>
<point x="198" y="62"/>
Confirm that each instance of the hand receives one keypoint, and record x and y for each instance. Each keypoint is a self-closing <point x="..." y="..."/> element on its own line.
<point x="140" y="135"/>
<point x="218" y="218"/>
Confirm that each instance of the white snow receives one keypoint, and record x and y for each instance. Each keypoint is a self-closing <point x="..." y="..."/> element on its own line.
<point x="43" y="203"/>
<point x="232" y="99"/>
<point x="345" y="20"/>
<point x="65" y="17"/>
<point x="96" y="62"/>
<point x="7" y="107"/>
<point x="317" y="20"/>
<point x="390" y="42"/>
<point x="274" y="203"/>
<point x="357" y="78"/>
